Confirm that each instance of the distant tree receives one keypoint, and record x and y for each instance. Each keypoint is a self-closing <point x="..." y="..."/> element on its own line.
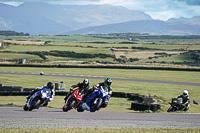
<point x="195" y="56"/>
<point x="13" y="33"/>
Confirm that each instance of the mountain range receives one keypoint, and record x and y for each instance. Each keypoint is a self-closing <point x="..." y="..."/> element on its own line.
<point x="42" y="18"/>
<point x="157" y="27"/>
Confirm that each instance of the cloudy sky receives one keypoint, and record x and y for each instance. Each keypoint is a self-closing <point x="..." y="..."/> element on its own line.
<point x="157" y="9"/>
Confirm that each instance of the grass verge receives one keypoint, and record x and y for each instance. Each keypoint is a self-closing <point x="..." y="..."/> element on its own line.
<point x="102" y="130"/>
<point x="164" y="91"/>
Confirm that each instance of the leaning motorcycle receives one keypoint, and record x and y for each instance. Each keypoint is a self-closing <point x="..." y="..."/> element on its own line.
<point x="176" y="105"/>
<point x="72" y="101"/>
<point x="98" y="99"/>
<point x="38" y="99"/>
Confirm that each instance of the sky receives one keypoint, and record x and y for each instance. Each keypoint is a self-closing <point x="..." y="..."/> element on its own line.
<point x="157" y="9"/>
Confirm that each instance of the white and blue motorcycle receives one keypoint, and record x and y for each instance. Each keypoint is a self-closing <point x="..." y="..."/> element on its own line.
<point x="38" y="99"/>
<point x="96" y="100"/>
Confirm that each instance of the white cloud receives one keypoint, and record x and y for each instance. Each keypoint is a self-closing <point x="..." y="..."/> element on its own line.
<point x="175" y="12"/>
<point x="13" y="3"/>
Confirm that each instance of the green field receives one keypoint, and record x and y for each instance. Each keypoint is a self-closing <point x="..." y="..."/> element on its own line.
<point x="125" y="49"/>
<point x="120" y="49"/>
<point x="177" y="58"/>
<point x="165" y="46"/>
<point x="163" y="91"/>
<point x="18" y="56"/>
<point x="75" y="38"/>
<point x="59" y="48"/>
<point x="181" y="76"/>
<point x="146" y="50"/>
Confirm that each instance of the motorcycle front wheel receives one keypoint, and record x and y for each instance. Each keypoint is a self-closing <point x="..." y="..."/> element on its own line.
<point x="25" y="107"/>
<point x="170" y="109"/>
<point x="69" y="105"/>
<point x="95" y="107"/>
<point x="36" y="102"/>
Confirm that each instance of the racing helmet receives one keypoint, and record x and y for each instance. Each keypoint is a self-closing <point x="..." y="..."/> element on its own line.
<point x="86" y="82"/>
<point x="50" y="85"/>
<point x="108" y="81"/>
<point x="185" y="93"/>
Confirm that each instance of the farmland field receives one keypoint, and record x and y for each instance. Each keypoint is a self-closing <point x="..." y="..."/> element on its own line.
<point x="107" y="50"/>
<point x="121" y="49"/>
<point x="18" y="56"/>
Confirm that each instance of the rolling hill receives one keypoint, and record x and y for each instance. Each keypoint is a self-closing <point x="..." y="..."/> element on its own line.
<point x="170" y="27"/>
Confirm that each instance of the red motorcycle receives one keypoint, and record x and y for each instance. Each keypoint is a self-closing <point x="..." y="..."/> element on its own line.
<point x="73" y="100"/>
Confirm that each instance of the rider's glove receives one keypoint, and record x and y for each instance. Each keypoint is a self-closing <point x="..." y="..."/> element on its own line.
<point x="94" y="87"/>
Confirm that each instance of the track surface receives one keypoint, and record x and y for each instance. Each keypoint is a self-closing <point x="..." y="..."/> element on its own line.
<point x="100" y="77"/>
<point x="16" y="117"/>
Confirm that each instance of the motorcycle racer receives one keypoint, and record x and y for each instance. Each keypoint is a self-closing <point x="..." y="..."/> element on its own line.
<point x="185" y="100"/>
<point x="107" y="83"/>
<point x="83" y="88"/>
<point x="48" y="89"/>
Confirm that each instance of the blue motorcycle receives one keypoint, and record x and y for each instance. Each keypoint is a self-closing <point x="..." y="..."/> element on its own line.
<point x="38" y="99"/>
<point x="96" y="100"/>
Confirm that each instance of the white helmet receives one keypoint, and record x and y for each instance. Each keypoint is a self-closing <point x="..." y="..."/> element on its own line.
<point x="185" y="93"/>
<point x="86" y="82"/>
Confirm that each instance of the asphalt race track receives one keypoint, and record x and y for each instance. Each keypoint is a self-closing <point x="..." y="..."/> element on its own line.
<point x="101" y="77"/>
<point x="16" y="117"/>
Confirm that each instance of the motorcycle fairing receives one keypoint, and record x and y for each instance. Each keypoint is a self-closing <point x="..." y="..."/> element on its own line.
<point x="101" y="92"/>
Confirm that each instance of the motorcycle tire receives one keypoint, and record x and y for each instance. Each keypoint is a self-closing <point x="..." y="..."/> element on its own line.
<point x="104" y="105"/>
<point x="70" y="104"/>
<point x="25" y="107"/>
<point x="79" y="108"/>
<point x="95" y="107"/>
<point x="36" y="102"/>
<point x="170" y="109"/>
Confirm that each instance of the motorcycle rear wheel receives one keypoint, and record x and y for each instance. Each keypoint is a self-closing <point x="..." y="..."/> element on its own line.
<point x="79" y="108"/>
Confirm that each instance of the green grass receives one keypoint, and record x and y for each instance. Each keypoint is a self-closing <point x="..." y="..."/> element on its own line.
<point x="59" y="48"/>
<point x="165" y="91"/>
<point x="74" y="38"/>
<point x="54" y="58"/>
<point x="115" y="104"/>
<point x="19" y="56"/>
<point x="164" y="46"/>
<point x="82" y="44"/>
<point x="177" y="58"/>
<point x="99" y="45"/>
<point x="60" y="59"/>
<point x="140" y="54"/>
<point x="181" y="76"/>
<point x="102" y="130"/>
<point x="194" y="47"/>
<point x="112" y="38"/>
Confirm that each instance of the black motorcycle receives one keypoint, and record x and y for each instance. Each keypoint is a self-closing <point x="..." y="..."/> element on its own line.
<point x="176" y="105"/>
